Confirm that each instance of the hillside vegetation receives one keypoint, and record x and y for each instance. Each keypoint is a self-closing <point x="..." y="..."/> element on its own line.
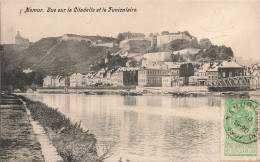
<point x="66" y="58"/>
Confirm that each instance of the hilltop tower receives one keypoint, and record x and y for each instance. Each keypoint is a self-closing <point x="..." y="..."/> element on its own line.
<point x="20" y="40"/>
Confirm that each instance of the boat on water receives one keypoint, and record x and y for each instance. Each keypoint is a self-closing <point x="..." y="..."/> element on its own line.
<point x="128" y="93"/>
<point x="89" y="93"/>
<point x="100" y="93"/>
<point x="184" y="94"/>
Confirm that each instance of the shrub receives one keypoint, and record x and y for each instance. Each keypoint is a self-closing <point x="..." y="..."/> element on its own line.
<point x="70" y="140"/>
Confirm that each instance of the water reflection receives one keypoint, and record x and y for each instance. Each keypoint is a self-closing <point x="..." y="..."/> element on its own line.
<point x="147" y="128"/>
<point x="129" y="100"/>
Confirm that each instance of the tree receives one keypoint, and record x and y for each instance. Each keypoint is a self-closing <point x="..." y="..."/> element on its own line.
<point x="177" y="57"/>
<point x="38" y="79"/>
<point x="165" y="33"/>
<point x="120" y="37"/>
<point x="178" y="44"/>
<point x="205" y="43"/>
<point x="133" y="63"/>
<point x="216" y="52"/>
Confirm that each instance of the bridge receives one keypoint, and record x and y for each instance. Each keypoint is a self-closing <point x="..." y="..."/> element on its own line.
<point x="235" y="83"/>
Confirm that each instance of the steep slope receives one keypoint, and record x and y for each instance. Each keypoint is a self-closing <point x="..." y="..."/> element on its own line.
<point x="67" y="57"/>
<point x="11" y="55"/>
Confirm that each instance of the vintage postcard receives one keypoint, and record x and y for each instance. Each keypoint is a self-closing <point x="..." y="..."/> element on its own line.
<point x="129" y="80"/>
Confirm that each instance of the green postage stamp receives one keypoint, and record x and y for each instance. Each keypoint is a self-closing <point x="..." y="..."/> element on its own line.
<point x="240" y="129"/>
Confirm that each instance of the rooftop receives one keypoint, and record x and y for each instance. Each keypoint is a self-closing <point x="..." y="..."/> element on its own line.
<point x="229" y="64"/>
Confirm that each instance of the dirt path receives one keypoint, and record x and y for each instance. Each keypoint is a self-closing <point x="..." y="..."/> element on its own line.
<point x="18" y="141"/>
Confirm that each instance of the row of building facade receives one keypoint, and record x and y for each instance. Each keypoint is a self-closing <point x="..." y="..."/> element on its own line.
<point x="165" y="76"/>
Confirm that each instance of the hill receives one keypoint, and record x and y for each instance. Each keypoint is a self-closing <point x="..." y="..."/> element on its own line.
<point x="67" y="57"/>
<point x="96" y="38"/>
<point x="12" y="55"/>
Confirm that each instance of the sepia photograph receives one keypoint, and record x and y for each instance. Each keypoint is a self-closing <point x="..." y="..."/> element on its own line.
<point x="129" y="80"/>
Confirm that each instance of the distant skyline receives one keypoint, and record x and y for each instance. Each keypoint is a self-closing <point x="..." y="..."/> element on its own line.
<point x="231" y="23"/>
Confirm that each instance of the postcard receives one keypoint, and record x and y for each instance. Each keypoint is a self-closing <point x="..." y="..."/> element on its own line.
<point x="129" y="80"/>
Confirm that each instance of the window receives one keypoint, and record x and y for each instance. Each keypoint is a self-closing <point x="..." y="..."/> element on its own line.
<point x="236" y="73"/>
<point x="224" y="74"/>
<point x="230" y="74"/>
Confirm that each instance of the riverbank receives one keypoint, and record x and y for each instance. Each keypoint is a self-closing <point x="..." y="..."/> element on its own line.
<point x="18" y="141"/>
<point x="118" y="90"/>
<point x="185" y="91"/>
<point x="70" y="140"/>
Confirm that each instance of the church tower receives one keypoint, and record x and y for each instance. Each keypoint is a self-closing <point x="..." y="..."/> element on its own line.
<point x="20" y="40"/>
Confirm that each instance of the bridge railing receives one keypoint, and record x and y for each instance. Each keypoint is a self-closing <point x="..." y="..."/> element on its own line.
<point x="238" y="81"/>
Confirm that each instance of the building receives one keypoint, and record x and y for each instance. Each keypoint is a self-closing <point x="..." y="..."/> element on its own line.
<point x="65" y="81"/>
<point x="84" y="80"/>
<point x="201" y="73"/>
<point x="96" y="77"/>
<point x="151" y="77"/>
<point x="202" y="77"/>
<point x="212" y="73"/>
<point x="153" y="41"/>
<point x="56" y="81"/>
<point x="183" y="81"/>
<point x="114" y="78"/>
<point x="166" y="81"/>
<point x="186" y="70"/>
<point x="153" y="64"/>
<point x="26" y="71"/>
<point x="101" y="73"/>
<point x="61" y="81"/>
<point x="175" y="75"/>
<point x="230" y="69"/>
<point x="224" y="69"/>
<point x="158" y="56"/>
<point x="76" y="80"/>
<point x="20" y="40"/>
<point x="127" y="76"/>
<point x="48" y="81"/>
<point x="164" y="39"/>
<point x="193" y="80"/>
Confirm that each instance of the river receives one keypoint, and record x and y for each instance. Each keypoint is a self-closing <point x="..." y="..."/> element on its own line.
<point x="146" y="128"/>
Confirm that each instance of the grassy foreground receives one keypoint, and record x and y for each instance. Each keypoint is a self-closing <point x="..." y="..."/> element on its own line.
<point x="17" y="139"/>
<point x="70" y="140"/>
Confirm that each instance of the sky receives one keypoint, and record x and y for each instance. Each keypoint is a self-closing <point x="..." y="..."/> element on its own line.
<point x="231" y="23"/>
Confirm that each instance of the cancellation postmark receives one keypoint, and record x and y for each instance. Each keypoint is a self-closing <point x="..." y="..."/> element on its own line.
<point x="240" y="124"/>
<point x="241" y="120"/>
